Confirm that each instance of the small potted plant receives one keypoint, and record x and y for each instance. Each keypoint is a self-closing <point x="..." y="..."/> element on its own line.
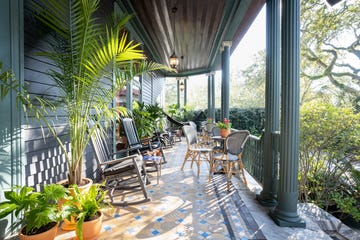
<point x="40" y="212"/>
<point x="224" y="127"/>
<point x="86" y="209"/>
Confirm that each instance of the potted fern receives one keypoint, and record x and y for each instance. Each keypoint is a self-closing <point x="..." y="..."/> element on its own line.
<point x="40" y="212"/>
<point x="86" y="209"/>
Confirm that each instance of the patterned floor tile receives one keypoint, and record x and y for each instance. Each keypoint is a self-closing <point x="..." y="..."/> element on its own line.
<point x="182" y="206"/>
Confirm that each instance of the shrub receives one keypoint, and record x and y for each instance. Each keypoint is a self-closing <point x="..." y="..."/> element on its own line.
<point x="329" y="147"/>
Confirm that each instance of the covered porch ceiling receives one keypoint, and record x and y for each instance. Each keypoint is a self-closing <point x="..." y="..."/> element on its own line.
<point x="195" y="32"/>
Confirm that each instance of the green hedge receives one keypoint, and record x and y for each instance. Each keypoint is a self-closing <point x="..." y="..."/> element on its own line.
<point x="250" y="119"/>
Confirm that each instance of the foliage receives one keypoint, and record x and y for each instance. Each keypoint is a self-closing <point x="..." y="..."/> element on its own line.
<point x="250" y="119"/>
<point x="148" y="118"/>
<point x="7" y="79"/>
<point x="224" y="124"/>
<point x="85" y="206"/>
<point x="174" y="111"/>
<point x="180" y="113"/>
<point x="249" y="93"/>
<point x="329" y="148"/>
<point x="330" y="43"/>
<point x="88" y="56"/>
<point x="39" y="208"/>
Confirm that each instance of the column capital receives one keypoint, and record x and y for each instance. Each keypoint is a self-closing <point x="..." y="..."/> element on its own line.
<point x="210" y="74"/>
<point x="225" y="44"/>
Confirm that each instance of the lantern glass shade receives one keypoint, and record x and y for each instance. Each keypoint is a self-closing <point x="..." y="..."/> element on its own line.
<point x="174" y="61"/>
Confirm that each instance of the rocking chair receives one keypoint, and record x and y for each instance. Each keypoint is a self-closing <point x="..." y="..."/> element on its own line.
<point x="126" y="174"/>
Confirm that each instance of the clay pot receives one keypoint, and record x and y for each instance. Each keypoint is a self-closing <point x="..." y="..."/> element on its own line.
<point x="91" y="229"/>
<point x="224" y="132"/>
<point x="71" y="225"/>
<point x="48" y="235"/>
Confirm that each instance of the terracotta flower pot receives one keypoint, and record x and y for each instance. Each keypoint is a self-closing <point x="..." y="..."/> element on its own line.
<point x="48" y="235"/>
<point x="71" y="225"/>
<point x="91" y="229"/>
<point x="224" y="132"/>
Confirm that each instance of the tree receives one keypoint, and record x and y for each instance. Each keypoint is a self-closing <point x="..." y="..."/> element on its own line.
<point x="249" y="93"/>
<point x="330" y="51"/>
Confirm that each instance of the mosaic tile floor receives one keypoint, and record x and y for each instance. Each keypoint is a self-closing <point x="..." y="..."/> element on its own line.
<point x="183" y="206"/>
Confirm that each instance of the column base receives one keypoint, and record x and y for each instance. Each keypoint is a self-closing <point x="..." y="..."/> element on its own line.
<point x="287" y="220"/>
<point x="266" y="201"/>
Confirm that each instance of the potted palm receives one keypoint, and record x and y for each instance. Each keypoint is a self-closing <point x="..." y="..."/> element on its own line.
<point x="87" y="53"/>
<point x="225" y="127"/>
<point x="86" y="209"/>
<point x="40" y="214"/>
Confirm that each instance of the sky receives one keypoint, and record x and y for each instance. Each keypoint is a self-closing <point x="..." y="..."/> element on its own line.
<point x="244" y="54"/>
<point x="252" y="42"/>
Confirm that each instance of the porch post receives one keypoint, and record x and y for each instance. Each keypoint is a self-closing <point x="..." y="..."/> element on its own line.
<point x="141" y="88"/>
<point x="209" y="96"/>
<point x="272" y="99"/>
<point x="225" y="68"/>
<point x="213" y="96"/>
<point x="185" y="91"/>
<point x="178" y="91"/>
<point x="129" y="96"/>
<point x="285" y="214"/>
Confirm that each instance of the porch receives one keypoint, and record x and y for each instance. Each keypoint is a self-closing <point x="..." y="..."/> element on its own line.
<point x="190" y="215"/>
<point x="184" y="206"/>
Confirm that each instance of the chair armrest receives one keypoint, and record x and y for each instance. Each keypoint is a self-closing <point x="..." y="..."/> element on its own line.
<point x="127" y="150"/>
<point x="120" y="159"/>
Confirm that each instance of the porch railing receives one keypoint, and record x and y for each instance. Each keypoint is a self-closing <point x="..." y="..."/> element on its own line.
<point x="253" y="157"/>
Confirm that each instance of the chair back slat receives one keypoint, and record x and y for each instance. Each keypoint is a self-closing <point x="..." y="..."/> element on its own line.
<point x="209" y="127"/>
<point x="132" y="136"/>
<point x="190" y="134"/>
<point x="215" y="131"/>
<point x="236" y="141"/>
<point x="101" y="150"/>
<point x="193" y="125"/>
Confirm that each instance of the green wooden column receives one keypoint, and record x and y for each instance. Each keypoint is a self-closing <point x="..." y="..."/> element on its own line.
<point x="129" y="96"/>
<point x="11" y="55"/>
<point x="213" y="96"/>
<point x="178" y="91"/>
<point x="225" y="68"/>
<point x="141" y="79"/>
<point x="285" y="214"/>
<point x="185" y="90"/>
<point x="209" y="91"/>
<point x="272" y="102"/>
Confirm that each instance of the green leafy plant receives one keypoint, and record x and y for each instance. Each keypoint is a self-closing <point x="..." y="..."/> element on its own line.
<point x="224" y="125"/>
<point x="40" y="210"/>
<point x="85" y="206"/>
<point x="148" y="118"/>
<point x="175" y="111"/>
<point x="8" y="82"/>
